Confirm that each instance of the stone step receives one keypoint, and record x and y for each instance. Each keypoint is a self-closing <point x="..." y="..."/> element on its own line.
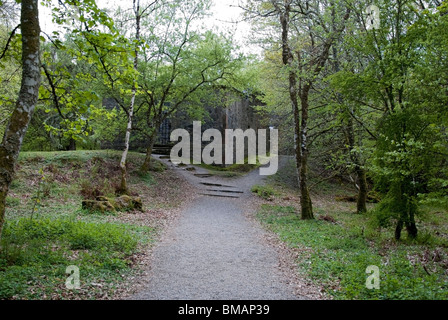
<point x="216" y="185"/>
<point x="225" y="191"/>
<point x="219" y="195"/>
<point x="203" y="175"/>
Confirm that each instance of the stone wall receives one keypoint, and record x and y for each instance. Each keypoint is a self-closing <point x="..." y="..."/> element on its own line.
<point x="236" y="111"/>
<point x="232" y="110"/>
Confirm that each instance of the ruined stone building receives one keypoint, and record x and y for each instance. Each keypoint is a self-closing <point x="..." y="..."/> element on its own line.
<point x="234" y="110"/>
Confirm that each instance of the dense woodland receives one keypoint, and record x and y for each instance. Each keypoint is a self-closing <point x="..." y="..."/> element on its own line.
<point x="358" y="94"/>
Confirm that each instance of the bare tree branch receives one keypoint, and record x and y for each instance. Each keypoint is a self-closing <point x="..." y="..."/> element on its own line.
<point x="13" y="32"/>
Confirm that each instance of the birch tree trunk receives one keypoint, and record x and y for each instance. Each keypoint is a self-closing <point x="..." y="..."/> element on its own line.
<point x="124" y="185"/>
<point x="26" y="102"/>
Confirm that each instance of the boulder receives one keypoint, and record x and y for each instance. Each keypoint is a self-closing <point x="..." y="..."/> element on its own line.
<point x="101" y="206"/>
<point x="122" y="203"/>
<point x="128" y="203"/>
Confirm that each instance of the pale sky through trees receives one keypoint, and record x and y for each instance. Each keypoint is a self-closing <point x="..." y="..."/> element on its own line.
<point x="226" y="17"/>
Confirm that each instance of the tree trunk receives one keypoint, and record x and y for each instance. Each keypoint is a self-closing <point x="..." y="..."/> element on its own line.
<point x="361" y="205"/>
<point x="305" y="200"/>
<point x="123" y="184"/>
<point x="407" y="218"/>
<point x="297" y="143"/>
<point x="349" y="130"/>
<point x="293" y="94"/>
<point x="72" y="145"/>
<point x="288" y="60"/>
<point x="398" y="229"/>
<point x="403" y="215"/>
<point x="410" y="224"/>
<point x="147" y="163"/>
<point x="26" y="102"/>
<point x="411" y="228"/>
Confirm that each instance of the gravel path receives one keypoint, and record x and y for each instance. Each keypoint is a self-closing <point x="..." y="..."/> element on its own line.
<point x="214" y="252"/>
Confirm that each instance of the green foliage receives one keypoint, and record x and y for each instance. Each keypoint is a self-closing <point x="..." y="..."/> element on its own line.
<point x="9" y="75"/>
<point x="90" y="189"/>
<point x="155" y="166"/>
<point x="405" y="118"/>
<point x="35" y="252"/>
<point x="265" y="192"/>
<point x="101" y="237"/>
<point x="338" y="256"/>
<point x="37" y="249"/>
<point x="378" y="104"/>
<point x="10" y="201"/>
<point x="146" y="177"/>
<point x="181" y="67"/>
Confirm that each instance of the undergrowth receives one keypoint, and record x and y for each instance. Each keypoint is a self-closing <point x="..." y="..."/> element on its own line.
<point x="46" y="230"/>
<point x="336" y="249"/>
<point x="35" y="254"/>
<point x="338" y="255"/>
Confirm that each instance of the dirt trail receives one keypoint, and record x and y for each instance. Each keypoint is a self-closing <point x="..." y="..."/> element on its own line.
<point x="214" y="252"/>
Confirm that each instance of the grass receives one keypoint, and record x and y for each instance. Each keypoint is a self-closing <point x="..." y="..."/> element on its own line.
<point x="339" y="254"/>
<point x="36" y="253"/>
<point x="337" y="247"/>
<point x="230" y="171"/>
<point x="46" y="230"/>
<point x="227" y="171"/>
<point x="265" y="192"/>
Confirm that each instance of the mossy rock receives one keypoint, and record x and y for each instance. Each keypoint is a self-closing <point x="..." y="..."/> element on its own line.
<point x="98" y="206"/>
<point x="128" y="203"/>
<point x="123" y="203"/>
<point x="101" y="198"/>
<point x="346" y="198"/>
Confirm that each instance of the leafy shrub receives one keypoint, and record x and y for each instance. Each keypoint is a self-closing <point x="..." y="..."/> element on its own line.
<point x="14" y="281"/>
<point x="157" y="166"/>
<point x="32" y="250"/>
<point x="101" y="236"/>
<point x="338" y="258"/>
<point x="89" y="190"/>
<point x="10" y="201"/>
<point x="24" y="230"/>
<point x="264" y="192"/>
<point x="93" y="188"/>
